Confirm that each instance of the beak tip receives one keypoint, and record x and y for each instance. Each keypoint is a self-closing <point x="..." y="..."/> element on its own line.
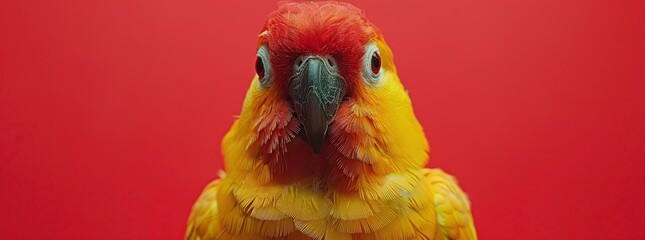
<point x="316" y="146"/>
<point x="316" y="137"/>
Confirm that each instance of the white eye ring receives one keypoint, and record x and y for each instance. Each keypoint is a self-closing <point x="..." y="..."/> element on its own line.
<point x="263" y="66"/>
<point x="372" y="74"/>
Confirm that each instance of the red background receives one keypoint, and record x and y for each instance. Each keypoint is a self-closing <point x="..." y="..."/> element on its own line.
<point x="111" y="112"/>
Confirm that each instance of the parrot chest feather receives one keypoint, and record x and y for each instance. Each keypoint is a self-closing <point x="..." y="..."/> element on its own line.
<point x="429" y="210"/>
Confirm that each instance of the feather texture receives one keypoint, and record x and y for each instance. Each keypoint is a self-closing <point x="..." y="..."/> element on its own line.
<point x="368" y="182"/>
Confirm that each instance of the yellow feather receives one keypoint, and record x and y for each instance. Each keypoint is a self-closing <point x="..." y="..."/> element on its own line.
<point x="252" y="196"/>
<point x="331" y="234"/>
<point x="400" y="228"/>
<point x="267" y="213"/>
<point x="453" y="208"/>
<point x="352" y="207"/>
<point x="278" y="228"/>
<point x="304" y="203"/>
<point x="315" y="229"/>
<point x="368" y="224"/>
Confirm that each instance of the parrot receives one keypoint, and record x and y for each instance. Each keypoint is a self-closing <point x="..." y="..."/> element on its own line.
<point x="327" y="145"/>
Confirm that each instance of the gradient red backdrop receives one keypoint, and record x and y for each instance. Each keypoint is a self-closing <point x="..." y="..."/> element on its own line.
<point x="111" y="112"/>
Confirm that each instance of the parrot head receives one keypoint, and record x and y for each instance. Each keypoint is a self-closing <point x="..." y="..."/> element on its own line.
<point x="316" y="62"/>
<point x="326" y="77"/>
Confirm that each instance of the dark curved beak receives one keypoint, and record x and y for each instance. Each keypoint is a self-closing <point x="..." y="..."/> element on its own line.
<point x="316" y="89"/>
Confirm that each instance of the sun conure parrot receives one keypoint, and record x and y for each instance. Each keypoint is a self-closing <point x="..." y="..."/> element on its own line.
<point x="327" y="145"/>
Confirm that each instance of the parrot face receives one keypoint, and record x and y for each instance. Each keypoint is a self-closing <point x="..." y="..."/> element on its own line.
<point x="318" y="65"/>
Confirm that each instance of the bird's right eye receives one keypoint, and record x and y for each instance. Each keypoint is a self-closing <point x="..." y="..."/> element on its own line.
<point x="263" y="66"/>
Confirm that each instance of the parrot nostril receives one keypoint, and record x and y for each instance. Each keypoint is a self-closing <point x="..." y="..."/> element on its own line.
<point x="331" y="63"/>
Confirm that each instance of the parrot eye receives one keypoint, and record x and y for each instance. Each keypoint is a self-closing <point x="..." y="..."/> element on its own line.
<point x="263" y="66"/>
<point x="376" y="63"/>
<point x="372" y="67"/>
<point x="259" y="67"/>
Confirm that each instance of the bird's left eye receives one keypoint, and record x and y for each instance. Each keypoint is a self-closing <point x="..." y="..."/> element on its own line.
<point x="263" y="66"/>
<point x="372" y="65"/>
<point x="259" y="67"/>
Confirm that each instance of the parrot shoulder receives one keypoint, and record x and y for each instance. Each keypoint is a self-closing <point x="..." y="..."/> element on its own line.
<point x="451" y="204"/>
<point x="203" y="216"/>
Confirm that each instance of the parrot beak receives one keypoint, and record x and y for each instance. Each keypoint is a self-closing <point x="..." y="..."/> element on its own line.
<point x="316" y="89"/>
